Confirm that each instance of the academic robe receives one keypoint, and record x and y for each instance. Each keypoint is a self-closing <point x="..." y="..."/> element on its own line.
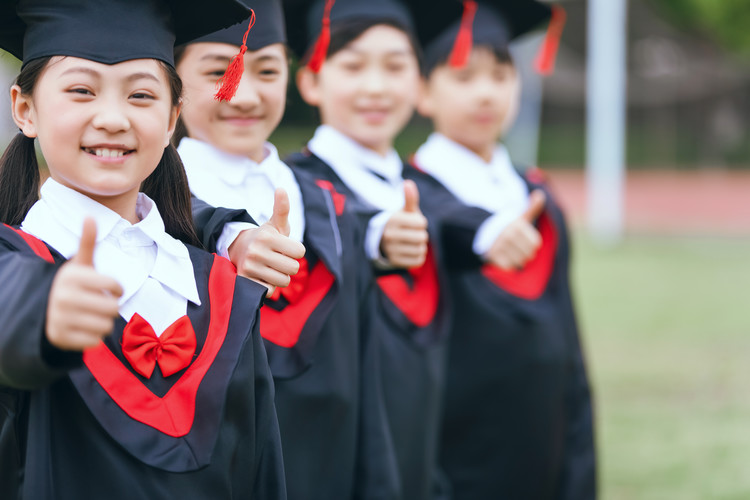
<point x="517" y="412"/>
<point x="324" y="360"/>
<point x="411" y="323"/>
<point x="88" y="425"/>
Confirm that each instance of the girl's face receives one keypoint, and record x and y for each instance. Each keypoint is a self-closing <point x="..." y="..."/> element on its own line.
<point x="368" y="89"/>
<point x="242" y="125"/>
<point x="102" y="128"/>
<point x="473" y="105"/>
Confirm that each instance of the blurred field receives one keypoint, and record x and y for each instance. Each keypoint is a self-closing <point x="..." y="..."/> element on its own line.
<point x="666" y="323"/>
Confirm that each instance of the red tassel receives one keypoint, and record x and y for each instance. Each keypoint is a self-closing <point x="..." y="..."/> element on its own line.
<point x="545" y="59"/>
<point x="464" y="40"/>
<point x="230" y="81"/>
<point x="320" y="50"/>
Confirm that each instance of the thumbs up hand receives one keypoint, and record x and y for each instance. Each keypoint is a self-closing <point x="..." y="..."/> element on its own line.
<point x="520" y="240"/>
<point x="82" y="303"/>
<point x="266" y="254"/>
<point x="405" y="237"/>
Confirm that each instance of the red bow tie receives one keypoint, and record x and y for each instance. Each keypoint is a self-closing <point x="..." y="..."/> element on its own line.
<point x="173" y="350"/>
<point x="297" y="285"/>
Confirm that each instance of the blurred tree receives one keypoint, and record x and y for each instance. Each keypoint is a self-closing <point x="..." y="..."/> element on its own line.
<point x="723" y="20"/>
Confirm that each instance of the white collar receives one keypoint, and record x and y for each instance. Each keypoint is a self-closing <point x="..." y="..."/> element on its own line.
<point x="376" y="179"/>
<point x="493" y="186"/>
<point x="57" y="218"/>
<point x="233" y="181"/>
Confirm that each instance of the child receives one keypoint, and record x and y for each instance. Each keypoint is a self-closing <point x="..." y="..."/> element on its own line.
<point x="314" y="330"/>
<point x="518" y="420"/>
<point x="365" y="84"/>
<point x="131" y="364"/>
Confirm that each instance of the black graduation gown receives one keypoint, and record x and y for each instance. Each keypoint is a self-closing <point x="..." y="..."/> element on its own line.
<point x="518" y="417"/>
<point x="321" y="353"/>
<point x="411" y="324"/>
<point x="88" y="425"/>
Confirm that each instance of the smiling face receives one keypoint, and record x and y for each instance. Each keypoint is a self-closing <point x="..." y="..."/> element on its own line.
<point x="473" y="105"/>
<point x="242" y="125"/>
<point x="102" y="128"/>
<point x="368" y="89"/>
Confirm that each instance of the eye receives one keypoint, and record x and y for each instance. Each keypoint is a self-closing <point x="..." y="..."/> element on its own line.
<point x="80" y="91"/>
<point x="269" y="72"/>
<point x="142" y="96"/>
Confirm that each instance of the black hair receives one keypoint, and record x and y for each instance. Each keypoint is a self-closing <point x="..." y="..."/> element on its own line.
<point x="346" y="31"/>
<point x="167" y="185"/>
<point x="432" y="62"/>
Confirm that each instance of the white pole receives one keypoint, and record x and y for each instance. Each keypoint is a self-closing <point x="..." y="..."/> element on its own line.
<point x="606" y="112"/>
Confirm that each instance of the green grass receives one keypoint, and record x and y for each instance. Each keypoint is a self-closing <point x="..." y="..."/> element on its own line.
<point x="666" y="324"/>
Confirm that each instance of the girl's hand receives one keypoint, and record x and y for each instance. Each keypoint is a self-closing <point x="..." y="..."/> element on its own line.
<point x="266" y="254"/>
<point x="405" y="237"/>
<point x="82" y="303"/>
<point x="520" y="240"/>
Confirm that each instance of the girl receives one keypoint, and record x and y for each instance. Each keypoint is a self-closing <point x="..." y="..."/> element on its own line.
<point x="321" y="355"/>
<point x="131" y="365"/>
<point x="518" y="420"/>
<point x="365" y="84"/>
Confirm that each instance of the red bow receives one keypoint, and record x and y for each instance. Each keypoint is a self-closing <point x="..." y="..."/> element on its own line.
<point x="297" y="285"/>
<point x="173" y="350"/>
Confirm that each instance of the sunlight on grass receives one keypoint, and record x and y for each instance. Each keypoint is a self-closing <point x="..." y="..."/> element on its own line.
<point x="666" y="323"/>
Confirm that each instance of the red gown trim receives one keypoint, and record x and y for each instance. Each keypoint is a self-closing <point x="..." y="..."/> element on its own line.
<point x="173" y="413"/>
<point x="284" y="327"/>
<point x="530" y="282"/>
<point x="418" y="302"/>
<point x="36" y="245"/>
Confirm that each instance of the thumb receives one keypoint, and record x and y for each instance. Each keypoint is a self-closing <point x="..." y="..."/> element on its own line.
<point x="537" y="201"/>
<point x="280" y="217"/>
<point x="411" y="197"/>
<point x="85" y="255"/>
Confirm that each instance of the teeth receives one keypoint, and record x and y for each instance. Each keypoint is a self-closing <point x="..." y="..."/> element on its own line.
<point x="106" y="153"/>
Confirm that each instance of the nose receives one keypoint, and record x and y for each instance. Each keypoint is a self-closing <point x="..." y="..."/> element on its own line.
<point x="247" y="95"/>
<point x="111" y="117"/>
<point x="374" y="81"/>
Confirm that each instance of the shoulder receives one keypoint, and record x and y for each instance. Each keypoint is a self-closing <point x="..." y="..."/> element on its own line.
<point x="14" y="239"/>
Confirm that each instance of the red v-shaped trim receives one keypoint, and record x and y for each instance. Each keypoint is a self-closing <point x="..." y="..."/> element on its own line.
<point x="530" y="282"/>
<point x="420" y="302"/>
<point x="284" y="327"/>
<point x="173" y="413"/>
<point x="36" y="245"/>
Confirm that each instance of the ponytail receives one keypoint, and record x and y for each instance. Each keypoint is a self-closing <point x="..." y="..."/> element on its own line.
<point x="19" y="180"/>
<point x="168" y="187"/>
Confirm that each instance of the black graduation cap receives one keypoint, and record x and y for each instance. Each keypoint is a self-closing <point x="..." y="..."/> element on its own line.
<point x="309" y="21"/>
<point x="110" y="31"/>
<point x="454" y="26"/>
<point x="268" y="29"/>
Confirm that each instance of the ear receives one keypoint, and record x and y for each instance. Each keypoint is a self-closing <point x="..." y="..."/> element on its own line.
<point x="308" y="86"/>
<point x="22" y="107"/>
<point x="174" y="115"/>
<point x="425" y="103"/>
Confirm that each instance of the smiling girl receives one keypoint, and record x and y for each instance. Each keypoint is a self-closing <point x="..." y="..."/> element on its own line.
<point x="362" y="74"/>
<point x="126" y="370"/>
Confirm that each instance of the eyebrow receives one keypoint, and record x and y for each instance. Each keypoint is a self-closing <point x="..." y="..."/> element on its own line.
<point x="395" y="52"/>
<point x="215" y="57"/>
<point x="93" y="72"/>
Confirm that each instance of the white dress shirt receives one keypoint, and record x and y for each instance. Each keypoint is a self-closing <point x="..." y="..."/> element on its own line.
<point x="495" y="186"/>
<point x="374" y="178"/>
<point x="232" y="181"/>
<point x="154" y="269"/>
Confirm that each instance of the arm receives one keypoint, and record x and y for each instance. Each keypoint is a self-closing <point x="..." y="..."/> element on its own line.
<point x="210" y="222"/>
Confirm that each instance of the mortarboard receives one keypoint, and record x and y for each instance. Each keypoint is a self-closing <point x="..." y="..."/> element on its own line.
<point x="269" y="27"/>
<point x="110" y="31"/>
<point x="309" y="22"/>
<point x="456" y="26"/>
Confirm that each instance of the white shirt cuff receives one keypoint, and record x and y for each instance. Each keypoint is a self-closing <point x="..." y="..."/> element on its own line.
<point x="375" y="229"/>
<point x="229" y="234"/>
<point x="490" y="230"/>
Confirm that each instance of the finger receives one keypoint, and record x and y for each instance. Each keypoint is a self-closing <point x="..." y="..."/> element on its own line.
<point x="408" y="251"/>
<point x="85" y="255"/>
<point x="537" y="201"/>
<point x="407" y="262"/>
<point x="92" y="281"/>
<point x="280" y="217"/>
<point x="406" y="236"/>
<point x="266" y="276"/>
<point x="275" y="262"/>
<point x="413" y="220"/>
<point x="80" y="341"/>
<point x="288" y="247"/>
<point x="411" y="197"/>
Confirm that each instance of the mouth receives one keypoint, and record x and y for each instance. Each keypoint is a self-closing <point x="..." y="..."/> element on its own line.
<point x="108" y="152"/>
